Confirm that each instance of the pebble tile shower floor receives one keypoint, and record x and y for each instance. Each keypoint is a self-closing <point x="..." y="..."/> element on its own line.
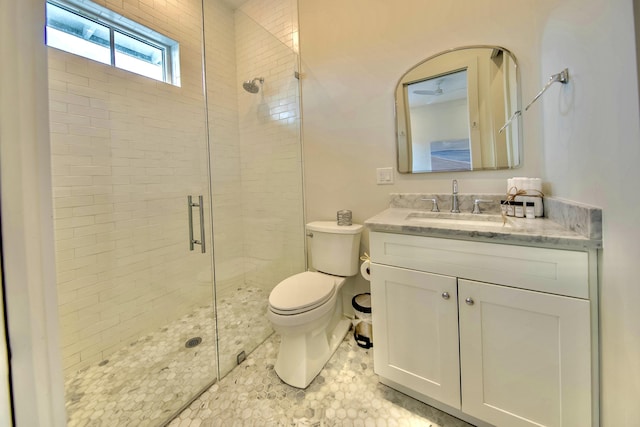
<point x="345" y="393"/>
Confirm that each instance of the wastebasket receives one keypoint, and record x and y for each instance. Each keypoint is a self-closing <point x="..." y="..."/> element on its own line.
<point x="363" y="329"/>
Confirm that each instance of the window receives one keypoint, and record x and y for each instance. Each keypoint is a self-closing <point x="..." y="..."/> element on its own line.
<point x="87" y="29"/>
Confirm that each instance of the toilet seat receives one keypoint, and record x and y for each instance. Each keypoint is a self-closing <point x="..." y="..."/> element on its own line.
<point x="302" y="292"/>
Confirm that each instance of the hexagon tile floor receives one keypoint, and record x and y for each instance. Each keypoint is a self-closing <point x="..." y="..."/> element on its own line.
<point x="148" y="381"/>
<point x="345" y="393"/>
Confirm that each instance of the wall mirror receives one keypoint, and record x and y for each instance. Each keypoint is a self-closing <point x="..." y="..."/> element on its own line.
<point x="450" y="108"/>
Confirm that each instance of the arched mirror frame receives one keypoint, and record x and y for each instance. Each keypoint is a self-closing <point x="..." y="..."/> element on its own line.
<point x="493" y="96"/>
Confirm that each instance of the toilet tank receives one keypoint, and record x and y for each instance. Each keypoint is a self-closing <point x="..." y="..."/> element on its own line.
<point x="334" y="248"/>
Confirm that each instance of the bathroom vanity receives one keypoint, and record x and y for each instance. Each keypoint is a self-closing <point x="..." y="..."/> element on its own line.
<point x="495" y="324"/>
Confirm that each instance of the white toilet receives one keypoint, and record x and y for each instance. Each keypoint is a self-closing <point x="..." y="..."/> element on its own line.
<point x="306" y="309"/>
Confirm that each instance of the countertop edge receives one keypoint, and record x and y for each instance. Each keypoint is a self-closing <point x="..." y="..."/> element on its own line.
<point x="391" y="221"/>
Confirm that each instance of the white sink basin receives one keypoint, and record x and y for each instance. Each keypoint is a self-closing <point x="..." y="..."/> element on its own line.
<point x="459" y="219"/>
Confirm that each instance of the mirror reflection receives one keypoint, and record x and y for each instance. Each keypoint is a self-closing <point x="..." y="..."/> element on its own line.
<point x="450" y="107"/>
<point x="439" y="123"/>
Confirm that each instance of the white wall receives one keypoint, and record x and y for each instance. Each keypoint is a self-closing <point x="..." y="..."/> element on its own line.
<point x="451" y="115"/>
<point x="5" y="367"/>
<point x="592" y="154"/>
<point x="353" y="54"/>
<point x="582" y="139"/>
<point x="437" y="122"/>
<point x="255" y="143"/>
<point x="27" y="232"/>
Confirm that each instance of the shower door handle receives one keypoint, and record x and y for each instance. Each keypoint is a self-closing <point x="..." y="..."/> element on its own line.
<point x="200" y="206"/>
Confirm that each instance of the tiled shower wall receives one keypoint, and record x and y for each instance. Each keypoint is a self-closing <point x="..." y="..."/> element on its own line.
<point x="270" y="149"/>
<point x="255" y="143"/>
<point x="127" y="150"/>
<point x="224" y="138"/>
<point x="278" y="17"/>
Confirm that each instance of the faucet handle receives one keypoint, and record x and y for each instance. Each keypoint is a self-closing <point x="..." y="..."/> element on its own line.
<point x="476" y="205"/>
<point x="434" y="206"/>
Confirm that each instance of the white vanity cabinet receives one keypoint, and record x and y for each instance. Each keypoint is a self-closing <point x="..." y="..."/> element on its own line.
<point x="416" y="331"/>
<point x="492" y="333"/>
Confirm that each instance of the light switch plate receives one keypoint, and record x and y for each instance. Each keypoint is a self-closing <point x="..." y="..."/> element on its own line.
<point x="384" y="176"/>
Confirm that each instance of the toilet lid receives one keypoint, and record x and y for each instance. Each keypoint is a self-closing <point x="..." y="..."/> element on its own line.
<point x="302" y="292"/>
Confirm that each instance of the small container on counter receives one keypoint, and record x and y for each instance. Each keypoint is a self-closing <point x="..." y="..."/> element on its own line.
<point x="529" y="210"/>
<point x="344" y="217"/>
<point x="537" y="202"/>
<point x="518" y="209"/>
<point x="511" y="208"/>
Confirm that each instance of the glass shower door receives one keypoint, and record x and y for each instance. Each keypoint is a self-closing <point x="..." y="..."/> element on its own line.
<point x="135" y="303"/>
<point x="254" y="129"/>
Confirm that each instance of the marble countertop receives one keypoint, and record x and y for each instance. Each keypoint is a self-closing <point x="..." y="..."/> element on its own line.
<point x="540" y="232"/>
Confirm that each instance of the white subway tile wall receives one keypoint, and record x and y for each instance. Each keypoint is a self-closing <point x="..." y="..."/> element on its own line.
<point x="253" y="191"/>
<point x="278" y="17"/>
<point x="128" y="150"/>
<point x="270" y="152"/>
<point x="224" y="139"/>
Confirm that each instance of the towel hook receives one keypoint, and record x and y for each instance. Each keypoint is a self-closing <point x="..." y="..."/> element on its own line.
<point x="562" y="77"/>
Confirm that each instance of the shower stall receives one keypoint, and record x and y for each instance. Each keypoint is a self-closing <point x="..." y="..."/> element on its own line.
<point x="177" y="208"/>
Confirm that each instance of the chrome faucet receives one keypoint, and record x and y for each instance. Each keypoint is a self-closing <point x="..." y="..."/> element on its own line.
<point x="434" y="204"/>
<point x="476" y="205"/>
<point x="454" y="197"/>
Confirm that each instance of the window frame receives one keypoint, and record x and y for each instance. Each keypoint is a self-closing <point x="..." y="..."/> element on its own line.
<point x="128" y="28"/>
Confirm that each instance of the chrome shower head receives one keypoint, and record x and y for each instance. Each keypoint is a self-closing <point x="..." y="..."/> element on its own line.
<point x="251" y="85"/>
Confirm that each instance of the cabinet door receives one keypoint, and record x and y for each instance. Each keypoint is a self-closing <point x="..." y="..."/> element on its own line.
<point x="524" y="356"/>
<point x="415" y="329"/>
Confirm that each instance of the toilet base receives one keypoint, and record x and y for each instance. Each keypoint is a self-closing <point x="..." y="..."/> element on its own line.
<point x="302" y="357"/>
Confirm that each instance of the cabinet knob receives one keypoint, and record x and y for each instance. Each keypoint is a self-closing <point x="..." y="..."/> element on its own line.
<point x="469" y="301"/>
<point x="445" y="295"/>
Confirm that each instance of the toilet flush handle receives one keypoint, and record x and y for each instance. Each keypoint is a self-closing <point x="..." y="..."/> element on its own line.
<point x="309" y="234"/>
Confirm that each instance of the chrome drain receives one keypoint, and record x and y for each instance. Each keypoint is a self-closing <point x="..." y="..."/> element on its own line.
<point x="193" y="342"/>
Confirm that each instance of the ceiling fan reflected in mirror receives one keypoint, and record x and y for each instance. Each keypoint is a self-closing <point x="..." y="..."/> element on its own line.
<point x="436" y="92"/>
